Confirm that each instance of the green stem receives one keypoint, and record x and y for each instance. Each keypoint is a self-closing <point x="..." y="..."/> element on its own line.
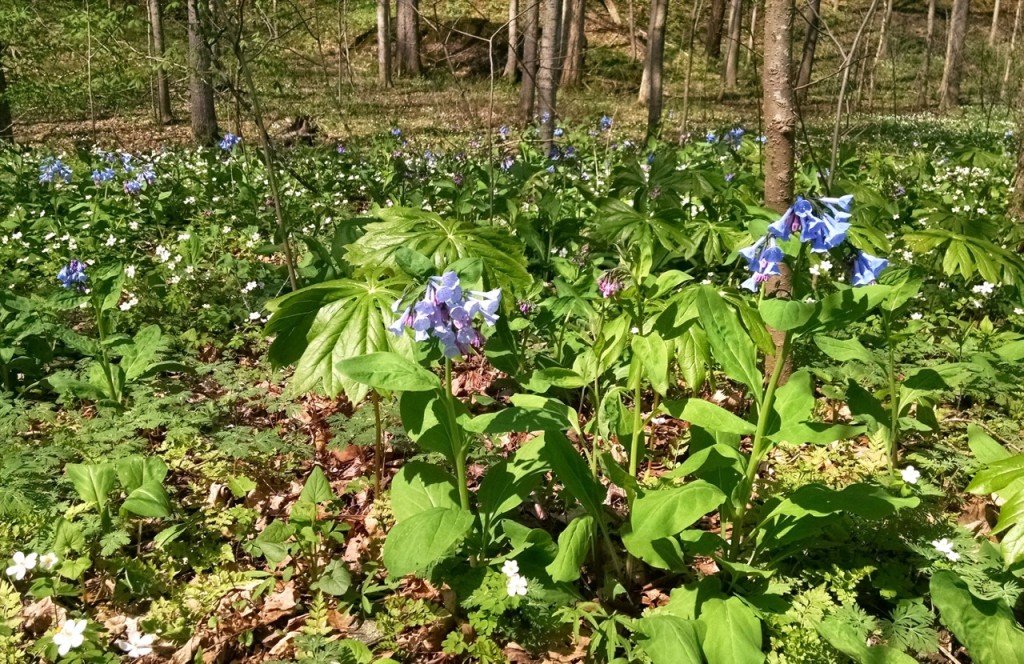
<point x="758" y="449"/>
<point x="378" y="446"/>
<point x="104" y="357"/>
<point x="460" y="448"/>
<point x="894" y="402"/>
<point x="595" y="444"/>
<point x="638" y="427"/>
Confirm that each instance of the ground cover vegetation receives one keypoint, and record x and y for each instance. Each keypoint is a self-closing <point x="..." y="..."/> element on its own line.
<point x="567" y="388"/>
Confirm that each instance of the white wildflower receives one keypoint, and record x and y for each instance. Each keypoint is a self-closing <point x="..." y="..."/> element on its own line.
<point x="22" y="564"/>
<point x="910" y="475"/>
<point x="70" y="636"/>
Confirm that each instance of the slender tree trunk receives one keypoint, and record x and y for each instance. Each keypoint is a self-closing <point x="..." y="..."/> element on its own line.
<point x="713" y="36"/>
<point x="803" y="79"/>
<point x="528" y="87"/>
<point x="547" y="81"/>
<point x="695" y="17"/>
<point x="633" y="52"/>
<point x="1011" y="53"/>
<point x="747" y="57"/>
<point x="1016" y="203"/>
<point x="926" y="64"/>
<point x="994" y="31"/>
<point x="950" y="96"/>
<point x="572" y="66"/>
<point x="204" y="114"/>
<point x="408" y="34"/>
<point x="883" y="36"/>
<point x="654" y="64"/>
<point x="613" y="11"/>
<point x="384" y="43"/>
<point x="732" y="53"/>
<point x="6" y="123"/>
<point x="163" y="97"/>
<point x="512" y="64"/>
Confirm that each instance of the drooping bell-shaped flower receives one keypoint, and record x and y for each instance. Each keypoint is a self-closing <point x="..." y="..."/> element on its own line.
<point x="867" y="268"/>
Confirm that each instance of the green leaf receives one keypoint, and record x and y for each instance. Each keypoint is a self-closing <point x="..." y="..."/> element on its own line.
<point x="785" y="314"/>
<point x="997" y="475"/>
<point x="523" y="420"/>
<point x="425" y="418"/>
<point x="572" y="471"/>
<point x="414" y="263"/>
<point x="93" y="482"/>
<point x="424" y="539"/>
<point x="507" y="483"/>
<point x="844" y="638"/>
<point x="149" y="500"/>
<point x="317" y="488"/>
<point x="388" y="371"/>
<point x="420" y="486"/>
<point x="544" y="379"/>
<point x="668" y="639"/>
<point x="666" y="512"/>
<point x="985" y="448"/>
<point x="134" y="471"/>
<point x="1012" y="546"/>
<point x="733" y="633"/>
<point x="573" y="547"/>
<point x="653" y="354"/>
<point x="272" y="542"/>
<point x="730" y="344"/>
<point x="844" y="350"/>
<point x="986" y="627"/>
<point x="335" y="579"/>
<point x="137" y="357"/>
<point x="840" y="309"/>
<point x="712" y="417"/>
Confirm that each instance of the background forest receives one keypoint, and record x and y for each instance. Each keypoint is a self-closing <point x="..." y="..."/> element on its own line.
<point x="534" y="331"/>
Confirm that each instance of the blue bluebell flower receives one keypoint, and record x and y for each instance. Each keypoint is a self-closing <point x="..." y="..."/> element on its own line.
<point x="229" y="142"/>
<point x="762" y="262"/>
<point x="735" y="137"/>
<point x="545" y="117"/>
<point x="104" y="175"/>
<point x="554" y="154"/>
<point x="559" y="132"/>
<point x="447" y="314"/>
<point x="729" y="177"/>
<point x="550" y="169"/>
<point x="396" y="132"/>
<point x="710" y="137"/>
<point x="132" y="187"/>
<point x="843" y="202"/>
<point x="867" y="268"/>
<point x="606" y="123"/>
<point x="342" y="149"/>
<point x="507" y="163"/>
<point x="569" y="152"/>
<point x="54" y="169"/>
<point x="826" y="230"/>
<point x="72" y="275"/>
<point x="503" y="132"/>
<point x="147" y="175"/>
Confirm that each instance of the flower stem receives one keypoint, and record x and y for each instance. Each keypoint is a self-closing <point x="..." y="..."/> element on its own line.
<point x="460" y="448"/>
<point x="378" y="445"/>
<point x="638" y="428"/>
<point x="104" y="358"/>
<point x="894" y="402"/>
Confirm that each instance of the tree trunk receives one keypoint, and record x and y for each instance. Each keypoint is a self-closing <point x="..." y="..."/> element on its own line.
<point x="695" y="16"/>
<point x="547" y="81"/>
<point x="950" y="95"/>
<point x="1016" y="206"/>
<point x="6" y="123"/>
<point x="713" y="36"/>
<point x="732" y="53"/>
<point x="572" y="65"/>
<point x="994" y="32"/>
<point x="926" y="64"/>
<point x="1011" y="54"/>
<point x="384" y="43"/>
<point x="528" y="87"/>
<point x="803" y="79"/>
<point x="633" y="53"/>
<point x="613" y="11"/>
<point x="408" y="36"/>
<point x="748" y="55"/>
<point x="163" y="97"/>
<point x="880" y="51"/>
<point x="654" y="64"/>
<point x="204" y="114"/>
<point x="779" y="109"/>
<point x="512" y="64"/>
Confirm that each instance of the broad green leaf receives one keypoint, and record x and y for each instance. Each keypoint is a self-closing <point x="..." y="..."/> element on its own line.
<point x="843" y="637"/>
<point x="420" y="486"/>
<point x="572" y="471"/>
<point x="507" y="483"/>
<point x="317" y="488"/>
<point x="554" y="406"/>
<point x="135" y="470"/>
<point x="985" y="448"/>
<point x="334" y="580"/>
<point x="524" y="420"/>
<point x="573" y="547"/>
<point x="426" y="421"/>
<point x="653" y="354"/>
<point x="544" y="379"/>
<point x="137" y="357"/>
<point x="443" y="240"/>
<point x="388" y="371"/>
<point x="785" y="314"/>
<point x="93" y="482"/>
<point x="847" y="306"/>
<point x="733" y="633"/>
<point x="987" y="628"/>
<point x="149" y="500"/>
<point x="844" y="350"/>
<point x="272" y="542"/>
<point x="794" y="404"/>
<point x="424" y="539"/>
<point x="666" y="512"/>
<point x="1012" y="546"/>
<point x="713" y="417"/>
<point x="668" y="639"/>
<point x="730" y="343"/>
<point x="997" y="475"/>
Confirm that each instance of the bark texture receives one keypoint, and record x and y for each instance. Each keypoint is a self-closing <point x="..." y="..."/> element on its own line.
<point x="203" y="112"/>
<point x="575" y="31"/>
<point x="732" y="53"/>
<point x="547" y="80"/>
<point x="512" y="63"/>
<point x="156" y="32"/>
<point x="384" y="43"/>
<point x="926" y="64"/>
<point x="813" y="17"/>
<point x="1017" y="197"/>
<point x="950" y="93"/>
<point x="654" y="64"/>
<point x="713" y="35"/>
<point x="6" y="123"/>
<point x="408" y="37"/>
<point x="528" y="88"/>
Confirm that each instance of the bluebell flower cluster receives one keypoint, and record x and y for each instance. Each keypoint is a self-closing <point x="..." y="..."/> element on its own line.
<point x="559" y="132"/>
<point x="73" y="275"/>
<point x="54" y="169"/>
<point x="503" y="133"/>
<point x="824" y="225"/>
<point x="132" y="187"/>
<point x="735" y="137"/>
<point x="229" y="142"/>
<point x="103" y="176"/>
<point x="606" y="123"/>
<point x="396" y="132"/>
<point x="447" y="314"/>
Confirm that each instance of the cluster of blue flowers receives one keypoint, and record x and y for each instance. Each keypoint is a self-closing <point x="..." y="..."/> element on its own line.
<point x="606" y="123"/>
<point x="824" y="226"/>
<point x="447" y="313"/>
<point x="73" y="275"/>
<point x="229" y="142"/>
<point x="54" y="169"/>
